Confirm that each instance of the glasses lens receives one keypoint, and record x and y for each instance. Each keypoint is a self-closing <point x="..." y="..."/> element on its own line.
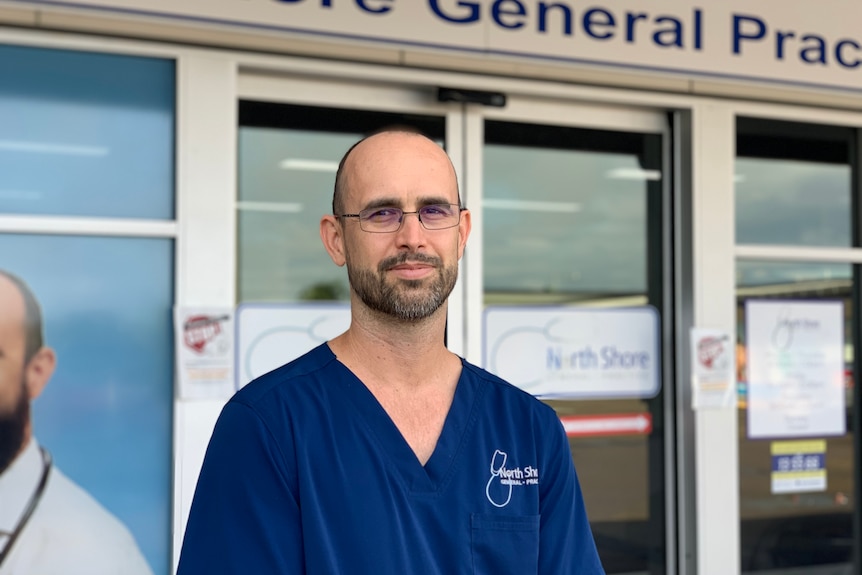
<point x="380" y="219"/>
<point x="387" y="219"/>
<point x="439" y="216"/>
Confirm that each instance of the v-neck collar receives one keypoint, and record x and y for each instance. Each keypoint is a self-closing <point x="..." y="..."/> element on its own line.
<point x="435" y="474"/>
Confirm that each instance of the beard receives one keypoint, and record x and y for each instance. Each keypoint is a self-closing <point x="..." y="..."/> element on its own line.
<point x="405" y="299"/>
<point x="13" y="425"/>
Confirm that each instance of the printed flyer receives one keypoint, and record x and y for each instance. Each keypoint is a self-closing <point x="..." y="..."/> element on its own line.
<point x="795" y="353"/>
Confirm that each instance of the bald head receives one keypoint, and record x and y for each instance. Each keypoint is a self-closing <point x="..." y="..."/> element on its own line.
<point x="383" y="148"/>
<point x="25" y="365"/>
<point x="18" y="303"/>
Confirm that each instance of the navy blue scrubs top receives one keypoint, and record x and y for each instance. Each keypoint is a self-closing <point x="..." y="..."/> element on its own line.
<point x="306" y="473"/>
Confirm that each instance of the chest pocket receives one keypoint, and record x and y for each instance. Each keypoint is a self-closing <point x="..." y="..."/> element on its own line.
<point x="503" y="544"/>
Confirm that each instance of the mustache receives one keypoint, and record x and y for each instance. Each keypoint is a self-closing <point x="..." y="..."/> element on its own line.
<point x="405" y="257"/>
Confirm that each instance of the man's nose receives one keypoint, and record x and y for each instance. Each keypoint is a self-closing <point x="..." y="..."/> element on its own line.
<point x="411" y="230"/>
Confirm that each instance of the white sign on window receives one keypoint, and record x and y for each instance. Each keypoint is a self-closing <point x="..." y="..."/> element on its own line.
<point x="566" y="352"/>
<point x="795" y="354"/>
<point x="268" y="336"/>
<point x="712" y="369"/>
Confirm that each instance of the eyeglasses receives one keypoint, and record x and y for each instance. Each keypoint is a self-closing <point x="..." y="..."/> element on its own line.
<point x="388" y="219"/>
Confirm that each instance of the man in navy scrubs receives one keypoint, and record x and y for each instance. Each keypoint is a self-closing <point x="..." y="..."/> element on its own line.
<point x="381" y="451"/>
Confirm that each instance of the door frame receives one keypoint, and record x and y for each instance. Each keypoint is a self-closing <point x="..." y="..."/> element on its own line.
<point x="464" y="144"/>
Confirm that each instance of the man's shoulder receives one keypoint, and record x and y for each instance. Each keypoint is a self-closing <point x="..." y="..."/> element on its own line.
<point x="500" y="390"/>
<point x="288" y="379"/>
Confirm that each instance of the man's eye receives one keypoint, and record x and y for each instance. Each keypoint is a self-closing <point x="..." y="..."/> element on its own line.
<point x="435" y="211"/>
<point x="381" y="214"/>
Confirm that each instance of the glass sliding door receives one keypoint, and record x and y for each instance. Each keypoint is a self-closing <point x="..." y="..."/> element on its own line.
<point x="572" y="232"/>
<point x="291" y="296"/>
<point x="798" y="458"/>
<point x="570" y="215"/>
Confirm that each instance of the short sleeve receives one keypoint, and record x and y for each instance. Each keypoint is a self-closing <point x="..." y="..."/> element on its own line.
<point x="566" y="542"/>
<point x="244" y="516"/>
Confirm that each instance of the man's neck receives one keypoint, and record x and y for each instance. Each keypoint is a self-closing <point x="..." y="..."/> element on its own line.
<point x="408" y="370"/>
<point x="393" y="350"/>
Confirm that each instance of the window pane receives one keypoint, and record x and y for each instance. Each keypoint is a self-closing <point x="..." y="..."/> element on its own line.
<point x="793" y="184"/>
<point x="797" y="532"/>
<point x="85" y="134"/>
<point x="286" y="179"/>
<point x="106" y="413"/>
<point x="573" y="216"/>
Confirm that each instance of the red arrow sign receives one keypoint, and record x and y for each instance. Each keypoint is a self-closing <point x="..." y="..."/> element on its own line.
<point x="612" y="424"/>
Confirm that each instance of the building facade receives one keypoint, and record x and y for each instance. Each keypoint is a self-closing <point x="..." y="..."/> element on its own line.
<point x="652" y="185"/>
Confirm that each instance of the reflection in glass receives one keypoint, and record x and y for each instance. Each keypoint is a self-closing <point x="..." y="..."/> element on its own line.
<point x="793" y="184"/>
<point x="781" y="533"/>
<point x="561" y="227"/>
<point x="280" y="204"/>
<point x="86" y="134"/>
<point x="570" y="218"/>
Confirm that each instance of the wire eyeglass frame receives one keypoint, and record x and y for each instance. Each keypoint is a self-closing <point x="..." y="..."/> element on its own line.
<point x="377" y="220"/>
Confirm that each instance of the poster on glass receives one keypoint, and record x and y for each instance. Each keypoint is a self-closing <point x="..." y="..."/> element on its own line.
<point x="795" y="352"/>
<point x="85" y="404"/>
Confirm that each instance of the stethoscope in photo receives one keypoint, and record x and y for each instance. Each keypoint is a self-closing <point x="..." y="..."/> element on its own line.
<point x="35" y="497"/>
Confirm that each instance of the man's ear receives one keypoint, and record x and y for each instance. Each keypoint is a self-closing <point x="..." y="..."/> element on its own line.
<point x="332" y="235"/>
<point x="39" y="370"/>
<point x="464" y="228"/>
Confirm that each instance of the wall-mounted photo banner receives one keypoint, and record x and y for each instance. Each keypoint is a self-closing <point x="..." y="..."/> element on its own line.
<point x="566" y="352"/>
<point x="795" y="354"/>
<point x="270" y="335"/>
<point x="86" y="395"/>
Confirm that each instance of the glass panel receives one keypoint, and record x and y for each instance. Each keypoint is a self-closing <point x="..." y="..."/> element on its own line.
<point x="105" y="414"/>
<point x="85" y="134"/>
<point x="288" y="156"/>
<point x="279" y="213"/>
<point x="798" y="532"/>
<point x="793" y="184"/>
<point x="574" y="217"/>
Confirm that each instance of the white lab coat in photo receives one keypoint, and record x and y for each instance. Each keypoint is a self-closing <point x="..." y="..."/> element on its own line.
<point x="69" y="532"/>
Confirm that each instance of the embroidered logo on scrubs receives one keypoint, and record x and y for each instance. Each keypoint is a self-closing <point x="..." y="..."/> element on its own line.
<point x="503" y="480"/>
